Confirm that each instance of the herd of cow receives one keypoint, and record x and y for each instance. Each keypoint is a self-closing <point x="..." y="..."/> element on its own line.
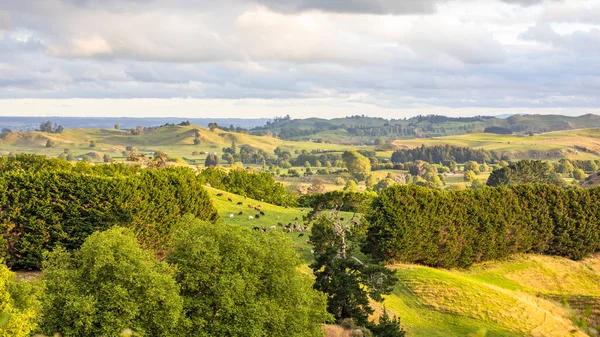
<point x="289" y="228"/>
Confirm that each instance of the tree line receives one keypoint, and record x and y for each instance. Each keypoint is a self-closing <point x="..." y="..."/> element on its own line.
<point x="49" y="202"/>
<point x="458" y="228"/>
<point x="439" y="154"/>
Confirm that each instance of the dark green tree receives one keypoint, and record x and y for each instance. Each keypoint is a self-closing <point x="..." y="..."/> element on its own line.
<point x="211" y="160"/>
<point x="92" y="143"/>
<point x="348" y="282"/>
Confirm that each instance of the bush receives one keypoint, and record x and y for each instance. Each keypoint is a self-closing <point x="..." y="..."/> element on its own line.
<point x="108" y="286"/>
<point x="236" y="282"/>
<point x="457" y="228"/>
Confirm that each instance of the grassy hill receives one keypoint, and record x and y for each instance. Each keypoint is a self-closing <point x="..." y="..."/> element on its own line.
<point x="174" y="140"/>
<point x="575" y="144"/>
<point x="525" y="296"/>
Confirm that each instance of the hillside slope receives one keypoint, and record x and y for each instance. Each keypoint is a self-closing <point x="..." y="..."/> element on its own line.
<point x="519" y="297"/>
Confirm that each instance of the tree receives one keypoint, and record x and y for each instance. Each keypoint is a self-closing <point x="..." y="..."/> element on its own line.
<point x="92" y="143"/>
<point x="19" y="305"/>
<point x="159" y="160"/>
<point x="565" y="166"/>
<point x="590" y="166"/>
<point x="49" y="143"/>
<point x="469" y="176"/>
<point x="351" y="186"/>
<point x="107" y="158"/>
<point x="46" y="126"/>
<point x="387" y="326"/>
<point x="236" y="282"/>
<point x="317" y="186"/>
<point x="526" y="172"/>
<point x="117" y="126"/>
<point x="228" y="158"/>
<point x="139" y="130"/>
<point x="213" y="126"/>
<point x="211" y="160"/>
<point x="472" y="166"/>
<point x="110" y="285"/>
<point x="60" y="129"/>
<point x="348" y="282"/>
<point x="370" y="181"/>
<point x="358" y="165"/>
<point x="579" y="174"/>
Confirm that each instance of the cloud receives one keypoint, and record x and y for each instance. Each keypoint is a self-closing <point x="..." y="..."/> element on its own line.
<point x="5" y="23"/>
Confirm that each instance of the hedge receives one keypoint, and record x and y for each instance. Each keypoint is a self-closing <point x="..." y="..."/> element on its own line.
<point x="458" y="228"/>
<point x="41" y="210"/>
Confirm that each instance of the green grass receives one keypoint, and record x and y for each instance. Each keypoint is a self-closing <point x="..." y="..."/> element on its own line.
<point x="506" y="298"/>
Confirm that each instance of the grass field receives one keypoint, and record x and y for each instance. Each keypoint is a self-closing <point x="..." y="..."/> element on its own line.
<point x="509" y="298"/>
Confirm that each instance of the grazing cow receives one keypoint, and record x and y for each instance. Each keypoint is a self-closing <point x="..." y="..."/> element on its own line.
<point x="231" y="216"/>
<point x="240" y="203"/>
<point x="257" y="216"/>
<point x="279" y="224"/>
<point x="264" y="229"/>
<point x="262" y="213"/>
<point x="300" y="235"/>
<point x="240" y="213"/>
<point x="256" y="228"/>
<point x="257" y="208"/>
<point x="230" y="200"/>
<point x="250" y="217"/>
<point x="220" y="195"/>
<point x="273" y="228"/>
<point x="296" y="219"/>
<point x="341" y="219"/>
<point x="308" y="242"/>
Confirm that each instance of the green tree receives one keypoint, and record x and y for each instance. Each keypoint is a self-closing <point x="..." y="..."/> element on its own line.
<point x="107" y="158"/>
<point x="351" y="186"/>
<point x="236" y="282"/>
<point x="228" y="158"/>
<point x="211" y="160"/>
<point x="19" y="305"/>
<point x="565" y="166"/>
<point x="92" y="143"/>
<point x="472" y="166"/>
<point x="348" y="282"/>
<point x="590" y="166"/>
<point x="213" y="126"/>
<point x="370" y="181"/>
<point x="117" y="126"/>
<point x="469" y="176"/>
<point x="49" y="143"/>
<point x="108" y="286"/>
<point x="526" y="172"/>
<point x="358" y="165"/>
<point x="387" y="326"/>
<point x="579" y="174"/>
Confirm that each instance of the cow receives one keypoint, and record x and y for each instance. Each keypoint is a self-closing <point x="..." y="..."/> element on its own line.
<point x="264" y="229"/>
<point x="240" y="203"/>
<point x="220" y="195"/>
<point x="257" y="216"/>
<point x="301" y="234"/>
<point x="273" y="228"/>
<point x="250" y="217"/>
<point x="256" y="228"/>
<point x="262" y="213"/>
<point x="279" y="224"/>
<point x="230" y="200"/>
<point x="231" y="216"/>
<point x="240" y="213"/>
<point x="296" y="219"/>
<point x="308" y="242"/>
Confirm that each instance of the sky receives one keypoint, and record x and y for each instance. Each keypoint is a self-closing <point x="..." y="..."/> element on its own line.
<point x="305" y="58"/>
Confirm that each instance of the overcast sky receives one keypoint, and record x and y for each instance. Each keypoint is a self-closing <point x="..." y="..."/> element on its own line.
<point x="324" y="58"/>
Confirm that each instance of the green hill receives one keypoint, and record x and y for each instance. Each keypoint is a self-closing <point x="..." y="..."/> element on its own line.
<point x="525" y="296"/>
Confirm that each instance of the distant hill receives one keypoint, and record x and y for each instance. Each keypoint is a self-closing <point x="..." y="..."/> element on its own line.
<point x="33" y="123"/>
<point x="365" y="130"/>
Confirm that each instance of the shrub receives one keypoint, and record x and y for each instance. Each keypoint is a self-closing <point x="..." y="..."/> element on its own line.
<point x="108" y="286"/>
